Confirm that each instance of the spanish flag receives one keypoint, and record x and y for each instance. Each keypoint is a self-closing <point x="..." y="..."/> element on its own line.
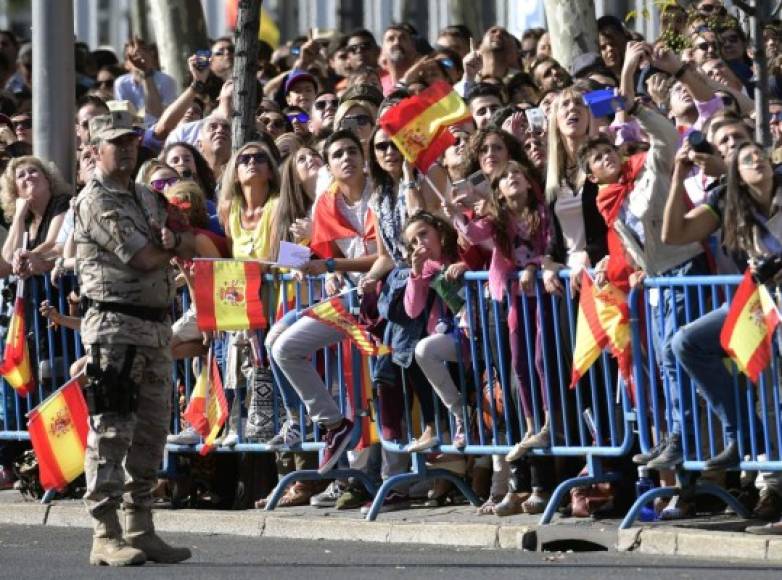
<point x="419" y="125"/>
<point x="228" y="295"/>
<point x="15" y="366"/>
<point x="749" y="326"/>
<point x="603" y="321"/>
<point x="329" y="225"/>
<point x="58" y="431"/>
<point x="208" y="408"/>
<point x="333" y="313"/>
<point x="357" y="365"/>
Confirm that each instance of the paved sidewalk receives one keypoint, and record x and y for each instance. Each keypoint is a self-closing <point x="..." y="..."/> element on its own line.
<point x="712" y="537"/>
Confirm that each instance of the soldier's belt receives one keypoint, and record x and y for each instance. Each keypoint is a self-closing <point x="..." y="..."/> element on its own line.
<point x="141" y="312"/>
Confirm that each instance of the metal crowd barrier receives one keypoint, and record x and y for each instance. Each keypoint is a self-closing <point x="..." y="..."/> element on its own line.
<point x="702" y="433"/>
<point x="596" y="420"/>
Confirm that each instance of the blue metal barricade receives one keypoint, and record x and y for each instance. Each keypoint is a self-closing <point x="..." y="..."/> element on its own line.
<point x="759" y="414"/>
<point x="590" y="421"/>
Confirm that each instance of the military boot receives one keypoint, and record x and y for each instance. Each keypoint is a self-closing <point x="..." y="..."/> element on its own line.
<point x="108" y="547"/>
<point x="140" y="533"/>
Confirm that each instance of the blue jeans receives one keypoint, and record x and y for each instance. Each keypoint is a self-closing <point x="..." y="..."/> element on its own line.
<point x="667" y="316"/>
<point x="697" y="346"/>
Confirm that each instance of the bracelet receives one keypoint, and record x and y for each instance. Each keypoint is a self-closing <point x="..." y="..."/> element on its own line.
<point x="682" y="71"/>
<point x="199" y="87"/>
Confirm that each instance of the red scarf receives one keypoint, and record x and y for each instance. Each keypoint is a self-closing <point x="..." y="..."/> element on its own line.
<point x="610" y="199"/>
<point x="329" y="225"/>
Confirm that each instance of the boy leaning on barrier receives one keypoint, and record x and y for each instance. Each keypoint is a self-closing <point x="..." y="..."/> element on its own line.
<point x="631" y="199"/>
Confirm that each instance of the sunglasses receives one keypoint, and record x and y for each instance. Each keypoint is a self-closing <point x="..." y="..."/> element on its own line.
<point x="160" y="185"/>
<point x="23" y="124"/>
<point x="775" y="117"/>
<point x="298" y="117"/>
<point x="326" y="103"/>
<point x="104" y="84"/>
<point x="359" y="47"/>
<point x="704" y="46"/>
<point x="385" y="146"/>
<point x="362" y="120"/>
<point x="272" y="123"/>
<point x="245" y="158"/>
<point x="223" y="51"/>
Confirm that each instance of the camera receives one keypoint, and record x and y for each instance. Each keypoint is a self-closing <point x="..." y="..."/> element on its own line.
<point x="767" y="268"/>
<point x="698" y="143"/>
<point x="202" y="59"/>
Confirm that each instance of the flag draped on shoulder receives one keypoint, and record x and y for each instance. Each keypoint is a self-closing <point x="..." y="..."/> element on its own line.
<point x="749" y="326"/>
<point x="15" y="367"/>
<point x="419" y="125"/>
<point x="603" y="321"/>
<point x="329" y="225"/>
<point x="58" y="431"/>
<point x="207" y="410"/>
<point x="228" y="295"/>
<point x="334" y="313"/>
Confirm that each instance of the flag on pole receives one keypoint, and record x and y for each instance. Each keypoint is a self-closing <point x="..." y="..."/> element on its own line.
<point x="228" y="295"/>
<point x="333" y="313"/>
<point x="361" y="410"/>
<point x="419" y="125"/>
<point x="58" y="431"/>
<point x="749" y="327"/>
<point x="15" y="367"/>
<point x="208" y="409"/>
<point x="603" y="321"/>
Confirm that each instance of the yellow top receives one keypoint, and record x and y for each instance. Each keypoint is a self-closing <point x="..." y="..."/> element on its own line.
<point x="251" y="243"/>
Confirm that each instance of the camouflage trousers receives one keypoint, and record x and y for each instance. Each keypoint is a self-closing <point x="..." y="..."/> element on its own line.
<point x="124" y="452"/>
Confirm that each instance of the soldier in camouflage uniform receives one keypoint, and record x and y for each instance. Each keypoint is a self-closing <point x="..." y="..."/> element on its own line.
<point x="123" y="255"/>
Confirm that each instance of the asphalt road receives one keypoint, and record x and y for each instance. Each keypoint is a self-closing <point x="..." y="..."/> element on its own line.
<point x="46" y="552"/>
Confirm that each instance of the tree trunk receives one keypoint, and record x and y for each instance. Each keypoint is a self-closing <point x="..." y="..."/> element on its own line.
<point x="245" y="72"/>
<point x="573" y="28"/>
<point x="180" y="30"/>
<point x="138" y="20"/>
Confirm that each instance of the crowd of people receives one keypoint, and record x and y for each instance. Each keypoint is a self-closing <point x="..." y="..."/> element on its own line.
<point x="665" y="181"/>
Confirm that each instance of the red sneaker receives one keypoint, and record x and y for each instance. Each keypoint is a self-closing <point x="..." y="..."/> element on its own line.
<point x="337" y="441"/>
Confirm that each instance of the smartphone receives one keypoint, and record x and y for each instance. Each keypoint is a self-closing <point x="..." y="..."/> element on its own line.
<point x="295" y="50"/>
<point x="480" y="183"/>
<point x="536" y="120"/>
<point x="202" y="59"/>
<point x="604" y="103"/>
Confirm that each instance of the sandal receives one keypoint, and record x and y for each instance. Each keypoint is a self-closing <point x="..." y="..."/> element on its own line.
<point x="298" y="494"/>
<point x="488" y="506"/>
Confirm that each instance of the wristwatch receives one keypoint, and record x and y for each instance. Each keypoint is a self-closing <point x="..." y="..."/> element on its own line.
<point x="330" y="265"/>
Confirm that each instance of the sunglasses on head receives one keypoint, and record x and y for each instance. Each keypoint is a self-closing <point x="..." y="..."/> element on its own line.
<point x="160" y="184"/>
<point x="384" y="146"/>
<point x="326" y="103"/>
<point x="245" y="158"/>
<point x="359" y="47"/>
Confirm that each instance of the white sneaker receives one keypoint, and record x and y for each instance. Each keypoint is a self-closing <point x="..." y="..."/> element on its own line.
<point x="328" y="497"/>
<point x="187" y="436"/>
<point x="230" y="440"/>
<point x="289" y="436"/>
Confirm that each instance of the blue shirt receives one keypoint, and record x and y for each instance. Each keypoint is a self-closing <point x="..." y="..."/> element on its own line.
<point x="126" y="89"/>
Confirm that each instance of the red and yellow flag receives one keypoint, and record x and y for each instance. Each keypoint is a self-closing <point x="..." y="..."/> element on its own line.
<point x="419" y="125"/>
<point x="603" y="321"/>
<point x="333" y="313"/>
<point x="228" y="295"/>
<point x="369" y="432"/>
<point x="58" y="431"/>
<point x="208" y="408"/>
<point x="749" y="326"/>
<point x="15" y="366"/>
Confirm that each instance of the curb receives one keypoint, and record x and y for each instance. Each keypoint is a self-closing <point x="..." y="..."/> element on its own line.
<point x="674" y="541"/>
<point x="255" y="523"/>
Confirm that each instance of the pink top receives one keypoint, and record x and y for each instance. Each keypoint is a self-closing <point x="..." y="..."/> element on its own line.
<point x="527" y="249"/>
<point x="417" y="291"/>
